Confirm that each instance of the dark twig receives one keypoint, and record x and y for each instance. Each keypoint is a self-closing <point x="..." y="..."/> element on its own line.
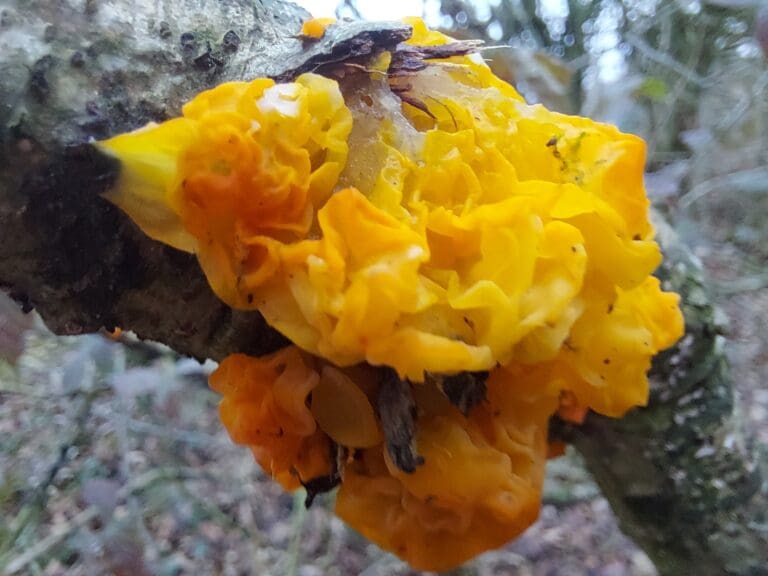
<point x="397" y="411"/>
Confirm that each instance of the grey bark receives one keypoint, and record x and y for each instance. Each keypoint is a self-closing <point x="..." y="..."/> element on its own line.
<point x="681" y="474"/>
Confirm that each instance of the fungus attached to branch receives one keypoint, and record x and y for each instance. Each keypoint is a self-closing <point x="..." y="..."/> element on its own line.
<point x="451" y="264"/>
<point x="478" y="487"/>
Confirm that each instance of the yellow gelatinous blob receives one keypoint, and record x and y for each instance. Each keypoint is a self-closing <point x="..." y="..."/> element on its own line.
<point x="315" y="27"/>
<point x="265" y="407"/>
<point x="458" y="229"/>
<point x="288" y="407"/>
<point x="485" y="232"/>
<point x="479" y="486"/>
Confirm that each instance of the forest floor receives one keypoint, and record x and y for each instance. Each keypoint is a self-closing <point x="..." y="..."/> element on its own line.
<point x="112" y="460"/>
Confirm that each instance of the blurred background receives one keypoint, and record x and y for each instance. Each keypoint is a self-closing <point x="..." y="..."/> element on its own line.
<point x="112" y="459"/>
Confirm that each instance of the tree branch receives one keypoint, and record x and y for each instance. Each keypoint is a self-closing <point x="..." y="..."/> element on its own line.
<point x="94" y="72"/>
<point x="683" y="475"/>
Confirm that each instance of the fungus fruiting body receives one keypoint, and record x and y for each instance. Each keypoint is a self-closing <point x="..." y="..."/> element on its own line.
<point x="421" y="220"/>
<point x="314" y="28"/>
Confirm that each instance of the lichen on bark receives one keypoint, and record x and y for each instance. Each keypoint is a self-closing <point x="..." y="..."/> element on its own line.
<point x="682" y="474"/>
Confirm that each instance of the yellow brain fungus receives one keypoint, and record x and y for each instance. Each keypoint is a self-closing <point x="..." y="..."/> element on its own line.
<point x="432" y="225"/>
<point x="314" y="28"/>
<point x="480" y="484"/>
<point x="264" y="406"/>
<point x="239" y="177"/>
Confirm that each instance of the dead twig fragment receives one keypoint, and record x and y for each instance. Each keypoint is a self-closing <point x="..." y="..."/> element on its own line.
<point x="407" y="59"/>
<point x="397" y="411"/>
<point x="322" y="484"/>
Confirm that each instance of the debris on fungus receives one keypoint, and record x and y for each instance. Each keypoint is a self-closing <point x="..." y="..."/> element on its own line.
<point x="452" y="265"/>
<point x="479" y="486"/>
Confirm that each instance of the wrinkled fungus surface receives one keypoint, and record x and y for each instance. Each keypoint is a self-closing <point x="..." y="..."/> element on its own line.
<point x="430" y="223"/>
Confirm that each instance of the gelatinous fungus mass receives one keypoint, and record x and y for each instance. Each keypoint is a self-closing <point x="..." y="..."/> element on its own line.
<point x="451" y="264"/>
